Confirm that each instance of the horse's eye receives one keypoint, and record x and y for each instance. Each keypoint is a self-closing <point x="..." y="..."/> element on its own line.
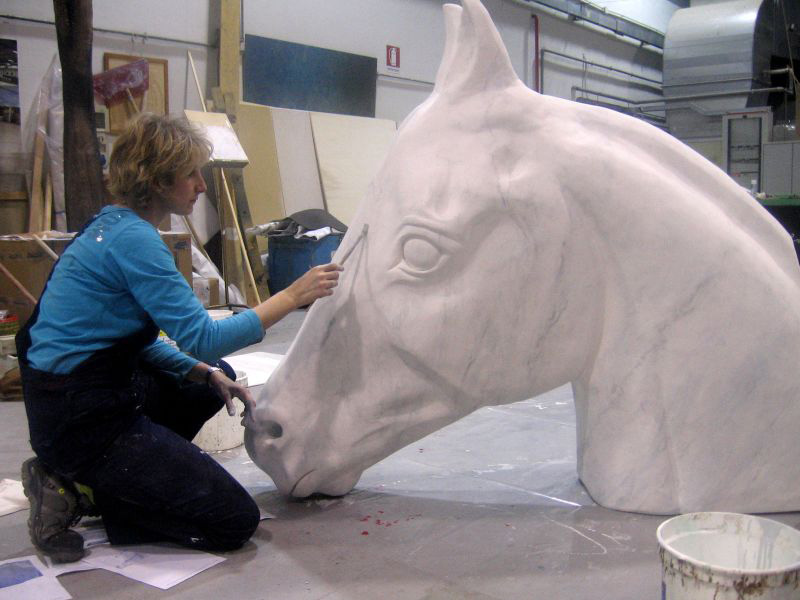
<point x="423" y="249"/>
<point x="420" y="255"/>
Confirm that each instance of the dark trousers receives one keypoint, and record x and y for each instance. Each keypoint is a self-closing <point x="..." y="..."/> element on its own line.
<point x="151" y="483"/>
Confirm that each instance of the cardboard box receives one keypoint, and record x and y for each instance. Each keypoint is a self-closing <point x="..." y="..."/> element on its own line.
<point x="207" y="290"/>
<point x="180" y="244"/>
<point x="30" y="264"/>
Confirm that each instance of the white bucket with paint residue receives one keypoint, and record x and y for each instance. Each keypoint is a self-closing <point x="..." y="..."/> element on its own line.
<point x="222" y="431"/>
<point x="728" y="556"/>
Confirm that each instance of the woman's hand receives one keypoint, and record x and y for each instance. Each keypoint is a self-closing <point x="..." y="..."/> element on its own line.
<point x="228" y="390"/>
<point x="315" y="283"/>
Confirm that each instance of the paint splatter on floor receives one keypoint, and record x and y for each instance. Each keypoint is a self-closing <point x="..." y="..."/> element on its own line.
<point x="384" y="522"/>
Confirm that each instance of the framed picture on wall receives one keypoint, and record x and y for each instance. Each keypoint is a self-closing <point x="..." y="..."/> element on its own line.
<point x="155" y="99"/>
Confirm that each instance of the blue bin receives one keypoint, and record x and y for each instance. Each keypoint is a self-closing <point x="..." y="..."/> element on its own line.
<point x="289" y="257"/>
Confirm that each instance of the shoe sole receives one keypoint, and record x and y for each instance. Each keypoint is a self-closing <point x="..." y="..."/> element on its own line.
<point x="33" y="491"/>
<point x="31" y="476"/>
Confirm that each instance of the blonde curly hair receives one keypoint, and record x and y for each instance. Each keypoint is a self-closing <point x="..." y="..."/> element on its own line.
<point x="151" y="152"/>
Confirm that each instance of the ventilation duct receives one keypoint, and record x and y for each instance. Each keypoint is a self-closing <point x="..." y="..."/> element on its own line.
<point x="719" y="58"/>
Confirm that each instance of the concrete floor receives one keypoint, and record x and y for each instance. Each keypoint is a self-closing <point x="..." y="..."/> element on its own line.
<point x="487" y="508"/>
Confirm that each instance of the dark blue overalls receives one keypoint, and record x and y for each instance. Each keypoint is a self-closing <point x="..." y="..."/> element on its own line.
<point x="123" y="428"/>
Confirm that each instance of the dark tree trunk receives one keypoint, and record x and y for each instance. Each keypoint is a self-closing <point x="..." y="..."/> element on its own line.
<point x="83" y="175"/>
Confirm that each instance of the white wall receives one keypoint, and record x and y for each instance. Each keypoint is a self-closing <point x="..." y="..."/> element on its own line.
<point x="182" y="19"/>
<point x="358" y="26"/>
<point x="367" y="26"/>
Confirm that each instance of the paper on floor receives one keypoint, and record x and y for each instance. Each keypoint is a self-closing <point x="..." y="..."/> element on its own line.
<point x="56" y="569"/>
<point x="160" y="566"/>
<point x="93" y="533"/>
<point x="257" y="365"/>
<point x="28" y="577"/>
<point x="12" y="498"/>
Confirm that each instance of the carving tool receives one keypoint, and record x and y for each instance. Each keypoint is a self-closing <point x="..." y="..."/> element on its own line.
<point x="360" y="237"/>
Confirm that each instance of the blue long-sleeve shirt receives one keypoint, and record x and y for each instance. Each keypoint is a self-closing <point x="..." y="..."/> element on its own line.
<point x="109" y="282"/>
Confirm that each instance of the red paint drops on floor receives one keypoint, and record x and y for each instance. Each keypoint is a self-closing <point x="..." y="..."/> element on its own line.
<point x="365" y="533"/>
<point x="367" y="518"/>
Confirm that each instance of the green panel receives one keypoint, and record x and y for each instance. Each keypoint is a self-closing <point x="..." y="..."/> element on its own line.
<point x="781" y="201"/>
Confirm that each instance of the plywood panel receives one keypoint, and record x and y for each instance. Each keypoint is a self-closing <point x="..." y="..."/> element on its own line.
<point x="262" y="181"/>
<point x="350" y="151"/>
<point x="297" y="160"/>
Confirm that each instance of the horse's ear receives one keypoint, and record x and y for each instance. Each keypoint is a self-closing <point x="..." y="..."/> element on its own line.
<point x="475" y="58"/>
<point x="452" y="22"/>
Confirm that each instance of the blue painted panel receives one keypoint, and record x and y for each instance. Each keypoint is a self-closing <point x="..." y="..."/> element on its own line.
<point x="290" y="75"/>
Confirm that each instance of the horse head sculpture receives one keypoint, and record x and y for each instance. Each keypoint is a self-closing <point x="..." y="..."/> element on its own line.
<point x="518" y="242"/>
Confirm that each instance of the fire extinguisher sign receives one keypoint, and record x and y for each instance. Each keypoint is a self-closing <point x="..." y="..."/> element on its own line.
<point x="393" y="57"/>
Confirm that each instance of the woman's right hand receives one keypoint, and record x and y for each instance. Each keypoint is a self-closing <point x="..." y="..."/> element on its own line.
<point x="315" y="283"/>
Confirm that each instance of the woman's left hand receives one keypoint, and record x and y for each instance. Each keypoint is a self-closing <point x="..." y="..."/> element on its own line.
<point x="228" y="390"/>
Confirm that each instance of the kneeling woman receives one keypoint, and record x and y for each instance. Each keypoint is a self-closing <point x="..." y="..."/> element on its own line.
<point x="111" y="406"/>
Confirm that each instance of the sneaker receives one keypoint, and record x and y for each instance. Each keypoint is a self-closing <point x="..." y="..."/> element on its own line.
<point x="55" y="507"/>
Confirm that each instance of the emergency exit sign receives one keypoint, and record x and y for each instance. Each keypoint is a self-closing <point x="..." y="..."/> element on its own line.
<point x="393" y="57"/>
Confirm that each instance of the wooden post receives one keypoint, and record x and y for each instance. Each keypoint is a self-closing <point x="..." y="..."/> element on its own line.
<point x="83" y="175"/>
<point x="47" y="215"/>
<point x="36" y="203"/>
<point x="230" y="17"/>
<point x="256" y="269"/>
<point x="228" y="91"/>
<point x="232" y="267"/>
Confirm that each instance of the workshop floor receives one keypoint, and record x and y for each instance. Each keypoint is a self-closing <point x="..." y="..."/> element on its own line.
<point x="487" y="508"/>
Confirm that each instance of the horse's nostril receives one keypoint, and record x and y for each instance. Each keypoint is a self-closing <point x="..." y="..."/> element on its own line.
<point x="272" y="428"/>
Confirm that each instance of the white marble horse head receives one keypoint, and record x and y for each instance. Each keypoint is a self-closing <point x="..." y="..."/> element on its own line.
<point x="518" y="242"/>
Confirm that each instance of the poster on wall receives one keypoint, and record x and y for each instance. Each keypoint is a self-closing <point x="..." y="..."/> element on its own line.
<point x="13" y="195"/>
<point x="9" y="83"/>
<point x="155" y="99"/>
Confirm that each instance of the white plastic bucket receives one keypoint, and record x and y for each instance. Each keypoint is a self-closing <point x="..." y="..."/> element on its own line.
<point x="222" y="431"/>
<point x="728" y="556"/>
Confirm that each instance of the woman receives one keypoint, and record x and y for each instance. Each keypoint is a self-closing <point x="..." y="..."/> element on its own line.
<point x="108" y="404"/>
